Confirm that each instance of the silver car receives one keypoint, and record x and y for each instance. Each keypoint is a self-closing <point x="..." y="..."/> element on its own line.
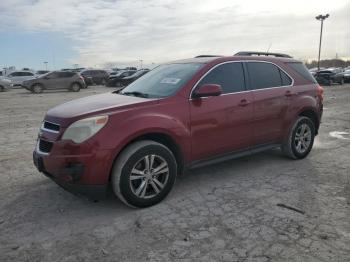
<point x="17" y="77"/>
<point x="4" y="84"/>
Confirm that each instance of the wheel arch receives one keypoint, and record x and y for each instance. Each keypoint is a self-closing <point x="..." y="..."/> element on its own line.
<point x="37" y="83"/>
<point x="311" y="113"/>
<point x="76" y="82"/>
<point x="162" y="138"/>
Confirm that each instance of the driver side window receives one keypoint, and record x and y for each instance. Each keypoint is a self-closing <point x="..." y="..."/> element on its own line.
<point x="229" y="76"/>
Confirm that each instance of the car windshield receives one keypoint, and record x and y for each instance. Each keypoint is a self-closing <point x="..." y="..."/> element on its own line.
<point x="162" y="81"/>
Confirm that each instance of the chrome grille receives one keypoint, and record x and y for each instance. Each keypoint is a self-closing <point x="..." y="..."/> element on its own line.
<point x="51" y="127"/>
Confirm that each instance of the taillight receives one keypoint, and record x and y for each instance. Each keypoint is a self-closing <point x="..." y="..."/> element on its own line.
<point x="320" y="92"/>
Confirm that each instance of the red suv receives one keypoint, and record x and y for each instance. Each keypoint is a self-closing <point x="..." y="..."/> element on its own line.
<point x="182" y="114"/>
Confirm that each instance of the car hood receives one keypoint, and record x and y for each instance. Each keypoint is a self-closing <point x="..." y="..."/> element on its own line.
<point x="68" y="112"/>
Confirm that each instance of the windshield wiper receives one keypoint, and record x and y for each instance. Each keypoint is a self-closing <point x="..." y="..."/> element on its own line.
<point x="135" y="93"/>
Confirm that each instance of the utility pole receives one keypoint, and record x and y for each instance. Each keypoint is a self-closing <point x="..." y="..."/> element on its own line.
<point x="320" y="18"/>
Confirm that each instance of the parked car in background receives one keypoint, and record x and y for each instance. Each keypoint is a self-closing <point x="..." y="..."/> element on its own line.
<point x="330" y="76"/>
<point x="17" y="77"/>
<point x="95" y="77"/>
<point x="183" y="114"/>
<point x="113" y="81"/>
<point x="129" y="79"/>
<point x="347" y="75"/>
<point x="313" y="71"/>
<point x="5" y="84"/>
<point x="41" y="72"/>
<point x="55" y="80"/>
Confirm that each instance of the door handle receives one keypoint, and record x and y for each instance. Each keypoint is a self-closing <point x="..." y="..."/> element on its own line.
<point x="289" y="93"/>
<point x="243" y="102"/>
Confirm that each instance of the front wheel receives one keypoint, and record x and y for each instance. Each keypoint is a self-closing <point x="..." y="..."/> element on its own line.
<point x="144" y="174"/>
<point x="300" y="139"/>
<point x="37" y="89"/>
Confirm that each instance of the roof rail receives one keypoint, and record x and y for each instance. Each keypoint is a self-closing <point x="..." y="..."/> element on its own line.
<point x="250" y="53"/>
<point x="198" y="56"/>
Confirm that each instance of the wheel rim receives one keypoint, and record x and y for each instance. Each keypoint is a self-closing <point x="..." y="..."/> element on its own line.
<point x="302" y="138"/>
<point x="75" y="87"/>
<point x="149" y="176"/>
<point x="37" y="89"/>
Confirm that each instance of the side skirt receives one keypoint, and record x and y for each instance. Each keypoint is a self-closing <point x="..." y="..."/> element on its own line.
<point x="232" y="155"/>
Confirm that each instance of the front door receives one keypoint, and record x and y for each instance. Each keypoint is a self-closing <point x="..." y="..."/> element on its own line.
<point x="222" y="124"/>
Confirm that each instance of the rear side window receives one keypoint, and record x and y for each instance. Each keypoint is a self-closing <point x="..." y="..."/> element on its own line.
<point x="301" y="69"/>
<point x="65" y="74"/>
<point x="264" y="75"/>
<point x="229" y="76"/>
<point x="286" y="81"/>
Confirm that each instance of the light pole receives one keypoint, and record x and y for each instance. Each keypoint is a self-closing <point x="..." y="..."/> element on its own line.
<point x="45" y="65"/>
<point x="141" y="63"/>
<point x="320" y="18"/>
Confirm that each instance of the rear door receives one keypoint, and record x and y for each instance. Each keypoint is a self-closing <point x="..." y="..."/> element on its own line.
<point x="222" y="124"/>
<point x="50" y="80"/>
<point x="271" y="90"/>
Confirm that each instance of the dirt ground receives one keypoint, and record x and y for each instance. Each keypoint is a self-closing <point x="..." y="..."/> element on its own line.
<point x="233" y="211"/>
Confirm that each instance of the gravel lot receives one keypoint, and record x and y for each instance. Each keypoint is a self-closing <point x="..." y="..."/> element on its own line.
<point x="234" y="211"/>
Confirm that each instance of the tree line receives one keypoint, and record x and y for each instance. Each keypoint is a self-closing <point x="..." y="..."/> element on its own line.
<point x="329" y="63"/>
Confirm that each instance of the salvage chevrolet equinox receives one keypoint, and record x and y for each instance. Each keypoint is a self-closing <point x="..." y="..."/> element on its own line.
<point x="182" y="114"/>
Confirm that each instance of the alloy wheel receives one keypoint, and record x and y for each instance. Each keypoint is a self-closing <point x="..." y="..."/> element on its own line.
<point x="302" y="139"/>
<point x="149" y="176"/>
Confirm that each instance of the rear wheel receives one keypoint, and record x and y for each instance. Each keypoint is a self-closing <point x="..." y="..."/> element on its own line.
<point x="75" y="87"/>
<point x="144" y="174"/>
<point x="37" y="88"/>
<point x="300" y="139"/>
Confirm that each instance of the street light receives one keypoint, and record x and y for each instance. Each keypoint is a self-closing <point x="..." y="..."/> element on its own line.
<point x="320" y="18"/>
<point x="141" y="63"/>
<point x="45" y="65"/>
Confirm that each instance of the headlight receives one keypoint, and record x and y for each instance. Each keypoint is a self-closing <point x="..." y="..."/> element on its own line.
<point x="82" y="130"/>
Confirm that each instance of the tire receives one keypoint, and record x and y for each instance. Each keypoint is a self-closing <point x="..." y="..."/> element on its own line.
<point x="75" y="87"/>
<point x="103" y="82"/>
<point x="294" y="147"/>
<point x="2" y="89"/>
<point x="330" y="82"/>
<point x="341" y="82"/>
<point x="37" y="88"/>
<point x="131" y="191"/>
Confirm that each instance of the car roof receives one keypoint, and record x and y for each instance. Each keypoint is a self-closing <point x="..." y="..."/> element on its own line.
<point x="208" y="59"/>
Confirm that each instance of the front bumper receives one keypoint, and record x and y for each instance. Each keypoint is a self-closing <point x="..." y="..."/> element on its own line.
<point x="85" y="174"/>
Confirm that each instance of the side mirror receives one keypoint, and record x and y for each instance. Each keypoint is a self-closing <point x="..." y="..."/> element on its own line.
<point x="207" y="90"/>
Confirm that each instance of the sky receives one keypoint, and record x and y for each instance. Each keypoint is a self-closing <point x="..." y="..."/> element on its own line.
<point x="105" y="33"/>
